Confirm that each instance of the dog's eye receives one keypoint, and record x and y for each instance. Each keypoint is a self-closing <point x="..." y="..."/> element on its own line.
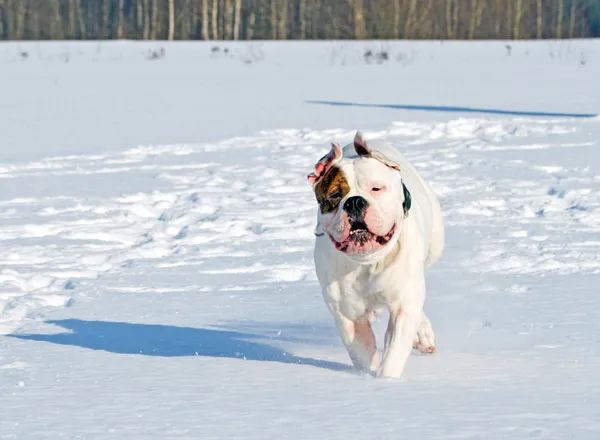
<point x="335" y="195"/>
<point x="377" y="188"/>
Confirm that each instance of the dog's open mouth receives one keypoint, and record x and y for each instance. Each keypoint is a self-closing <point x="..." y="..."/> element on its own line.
<point x="361" y="239"/>
<point x="358" y="228"/>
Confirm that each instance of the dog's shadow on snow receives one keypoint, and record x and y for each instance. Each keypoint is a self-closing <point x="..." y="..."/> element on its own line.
<point x="172" y="341"/>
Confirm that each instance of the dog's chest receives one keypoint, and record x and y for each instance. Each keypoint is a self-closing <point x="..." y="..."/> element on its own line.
<point x="366" y="289"/>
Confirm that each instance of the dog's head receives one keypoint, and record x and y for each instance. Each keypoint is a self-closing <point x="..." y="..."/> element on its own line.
<point x="362" y="200"/>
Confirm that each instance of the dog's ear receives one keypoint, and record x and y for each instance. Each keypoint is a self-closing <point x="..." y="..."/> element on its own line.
<point x="321" y="167"/>
<point x="360" y="145"/>
<point x="363" y="150"/>
<point x="407" y="199"/>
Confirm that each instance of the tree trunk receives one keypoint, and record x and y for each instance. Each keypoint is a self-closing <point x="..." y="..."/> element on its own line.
<point x="572" y="18"/>
<point x="559" y="19"/>
<point x="19" y="10"/>
<point x="81" y="20"/>
<point x="189" y="15"/>
<point x="499" y="20"/>
<point x="540" y="19"/>
<point x="314" y="18"/>
<point x="215" y="21"/>
<point x="397" y="18"/>
<point x="120" y="20"/>
<point x="205" y="35"/>
<point x="56" y="31"/>
<point x="509" y="17"/>
<point x="72" y="20"/>
<point x="449" y="27"/>
<point x="106" y="19"/>
<point x="301" y="19"/>
<point x="518" y="14"/>
<point x="146" y="20"/>
<point x="273" y="20"/>
<point x="238" y="19"/>
<point x="2" y="9"/>
<point x="359" y="19"/>
<point x="410" y="18"/>
<point x="171" y="20"/>
<point x="34" y="26"/>
<point x="250" y="26"/>
<point x="283" y="15"/>
<point x="420" y="22"/>
<point x="139" y="15"/>
<point x="455" y="27"/>
<point x="473" y="18"/>
<point x="228" y="20"/>
<point x="154" y="19"/>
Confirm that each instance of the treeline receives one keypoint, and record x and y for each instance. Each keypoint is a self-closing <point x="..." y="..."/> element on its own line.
<point x="298" y="19"/>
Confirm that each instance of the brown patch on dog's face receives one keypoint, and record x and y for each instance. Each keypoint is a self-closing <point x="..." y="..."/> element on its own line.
<point x="331" y="190"/>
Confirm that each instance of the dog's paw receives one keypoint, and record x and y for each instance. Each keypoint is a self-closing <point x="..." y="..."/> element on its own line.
<point x="425" y="338"/>
<point x="386" y="373"/>
<point x="427" y="349"/>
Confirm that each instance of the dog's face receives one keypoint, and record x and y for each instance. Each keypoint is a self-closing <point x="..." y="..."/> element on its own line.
<point x="362" y="202"/>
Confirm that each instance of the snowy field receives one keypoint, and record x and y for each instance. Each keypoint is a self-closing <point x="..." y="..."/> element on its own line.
<point x="156" y="234"/>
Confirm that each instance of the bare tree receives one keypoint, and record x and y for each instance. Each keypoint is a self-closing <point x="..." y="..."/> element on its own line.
<point x="19" y="11"/>
<point x="273" y="19"/>
<point x="106" y="19"/>
<point x="359" y="19"/>
<point x="509" y="20"/>
<point x="540" y="19"/>
<point x="2" y="13"/>
<point x="139" y="14"/>
<point x="227" y="19"/>
<point x="146" y="20"/>
<point x="121" y="20"/>
<point x="572" y="18"/>
<point x="281" y="19"/>
<point x="171" y="20"/>
<point x="76" y="21"/>
<point x="81" y="20"/>
<point x="559" y="18"/>
<point x="154" y="20"/>
<point x="455" y="17"/>
<point x="56" y="29"/>
<point x="215" y="19"/>
<point x="238" y="19"/>
<point x="301" y="19"/>
<point x="449" y="26"/>
<point x="412" y="13"/>
<point x="475" y="19"/>
<point x="205" y="20"/>
<point x="250" y="25"/>
<point x="283" y="15"/>
<point x="518" y="15"/>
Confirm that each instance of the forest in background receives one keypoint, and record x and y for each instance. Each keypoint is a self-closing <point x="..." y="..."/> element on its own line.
<point x="297" y="19"/>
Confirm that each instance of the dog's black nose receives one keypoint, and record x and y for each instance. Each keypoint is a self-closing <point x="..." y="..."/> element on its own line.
<point x="355" y="206"/>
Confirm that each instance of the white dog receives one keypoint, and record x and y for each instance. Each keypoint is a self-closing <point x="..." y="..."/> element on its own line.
<point x="379" y="226"/>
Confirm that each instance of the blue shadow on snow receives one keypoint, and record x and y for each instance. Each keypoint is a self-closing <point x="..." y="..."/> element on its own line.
<point x="442" y="108"/>
<point x="171" y="341"/>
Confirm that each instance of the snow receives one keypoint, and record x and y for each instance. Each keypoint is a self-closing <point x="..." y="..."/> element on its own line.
<point x="156" y="275"/>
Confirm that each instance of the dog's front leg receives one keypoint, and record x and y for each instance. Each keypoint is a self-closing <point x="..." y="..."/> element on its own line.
<point x="402" y="329"/>
<point x="359" y="340"/>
